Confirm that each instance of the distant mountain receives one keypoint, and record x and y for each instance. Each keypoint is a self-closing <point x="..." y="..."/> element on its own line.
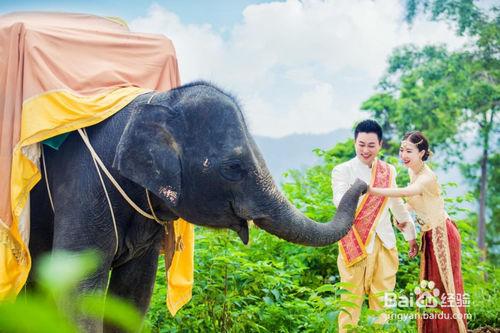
<point x="295" y="151"/>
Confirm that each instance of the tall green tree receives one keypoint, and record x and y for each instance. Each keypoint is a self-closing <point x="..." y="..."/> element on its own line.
<point x="471" y="171"/>
<point x="447" y="95"/>
<point x="465" y="13"/>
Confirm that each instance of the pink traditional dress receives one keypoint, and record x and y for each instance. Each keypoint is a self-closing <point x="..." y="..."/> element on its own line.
<point x="441" y="255"/>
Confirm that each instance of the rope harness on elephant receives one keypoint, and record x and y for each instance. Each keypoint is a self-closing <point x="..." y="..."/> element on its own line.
<point x="100" y="165"/>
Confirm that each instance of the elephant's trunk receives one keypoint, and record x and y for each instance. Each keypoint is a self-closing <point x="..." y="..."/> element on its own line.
<point x="288" y="223"/>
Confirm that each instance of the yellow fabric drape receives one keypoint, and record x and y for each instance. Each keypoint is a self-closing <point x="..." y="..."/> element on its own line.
<point x="49" y="115"/>
<point x="180" y="274"/>
<point x="45" y="116"/>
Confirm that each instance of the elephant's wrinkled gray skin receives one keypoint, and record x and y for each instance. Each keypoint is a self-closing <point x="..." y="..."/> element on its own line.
<point x="191" y="148"/>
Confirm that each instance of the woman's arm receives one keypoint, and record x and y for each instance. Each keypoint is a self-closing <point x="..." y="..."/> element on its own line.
<point x="408" y="191"/>
<point x="409" y="207"/>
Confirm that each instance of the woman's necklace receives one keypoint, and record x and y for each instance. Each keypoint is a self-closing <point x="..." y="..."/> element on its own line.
<point x="418" y="172"/>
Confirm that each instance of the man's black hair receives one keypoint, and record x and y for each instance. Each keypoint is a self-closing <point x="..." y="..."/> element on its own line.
<point x="368" y="126"/>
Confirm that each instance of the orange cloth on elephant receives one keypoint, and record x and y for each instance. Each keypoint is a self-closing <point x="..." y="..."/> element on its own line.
<point x="60" y="72"/>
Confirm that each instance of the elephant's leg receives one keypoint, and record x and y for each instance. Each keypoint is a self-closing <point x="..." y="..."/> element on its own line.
<point x="95" y="283"/>
<point x="134" y="281"/>
<point x="41" y="225"/>
<point x="75" y="233"/>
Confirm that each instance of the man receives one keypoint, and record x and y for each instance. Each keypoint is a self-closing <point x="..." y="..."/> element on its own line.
<point x="368" y="258"/>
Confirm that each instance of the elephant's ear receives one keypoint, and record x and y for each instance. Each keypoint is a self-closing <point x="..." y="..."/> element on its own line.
<point x="148" y="153"/>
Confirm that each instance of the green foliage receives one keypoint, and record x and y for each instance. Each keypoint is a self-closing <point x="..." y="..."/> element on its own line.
<point x="55" y="303"/>
<point x="484" y="293"/>
<point x="267" y="286"/>
<point x="471" y="172"/>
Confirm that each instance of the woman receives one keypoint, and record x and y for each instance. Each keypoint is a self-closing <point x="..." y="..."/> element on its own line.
<point x="440" y="239"/>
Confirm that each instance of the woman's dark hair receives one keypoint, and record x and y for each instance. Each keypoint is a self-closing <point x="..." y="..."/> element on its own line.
<point x="368" y="126"/>
<point x="420" y="141"/>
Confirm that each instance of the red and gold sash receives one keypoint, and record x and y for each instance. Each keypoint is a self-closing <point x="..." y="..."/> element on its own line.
<point x="352" y="246"/>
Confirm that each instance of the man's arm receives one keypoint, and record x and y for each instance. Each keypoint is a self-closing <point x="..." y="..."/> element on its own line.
<point x="340" y="183"/>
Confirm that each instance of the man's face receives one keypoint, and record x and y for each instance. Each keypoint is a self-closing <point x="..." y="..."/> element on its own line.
<point x="367" y="147"/>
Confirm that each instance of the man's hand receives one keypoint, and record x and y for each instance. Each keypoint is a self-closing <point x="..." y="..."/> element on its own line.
<point x="401" y="226"/>
<point x="413" y="248"/>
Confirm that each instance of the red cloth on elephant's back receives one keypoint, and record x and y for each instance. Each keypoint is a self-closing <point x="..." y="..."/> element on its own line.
<point x="431" y="273"/>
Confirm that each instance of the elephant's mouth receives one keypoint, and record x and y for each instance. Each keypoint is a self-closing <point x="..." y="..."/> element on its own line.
<point x="241" y="227"/>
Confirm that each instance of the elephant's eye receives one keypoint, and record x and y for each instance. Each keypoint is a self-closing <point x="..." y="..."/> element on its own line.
<point x="232" y="170"/>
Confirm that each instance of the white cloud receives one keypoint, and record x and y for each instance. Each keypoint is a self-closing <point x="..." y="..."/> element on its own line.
<point x="198" y="47"/>
<point x="297" y="66"/>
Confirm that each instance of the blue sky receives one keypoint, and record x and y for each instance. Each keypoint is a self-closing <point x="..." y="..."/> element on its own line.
<point x="296" y="66"/>
<point x="219" y="13"/>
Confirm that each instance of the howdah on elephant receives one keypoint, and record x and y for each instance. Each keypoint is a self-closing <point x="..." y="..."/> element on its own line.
<point x="191" y="149"/>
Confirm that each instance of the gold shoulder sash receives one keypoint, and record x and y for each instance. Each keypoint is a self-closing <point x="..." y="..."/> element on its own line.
<point x="353" y="245"/>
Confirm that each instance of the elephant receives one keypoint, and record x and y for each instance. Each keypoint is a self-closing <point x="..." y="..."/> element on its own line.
<point x="191" y="149"/>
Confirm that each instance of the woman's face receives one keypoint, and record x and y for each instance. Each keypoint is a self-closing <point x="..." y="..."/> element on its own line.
<point x="409" y="154"/>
